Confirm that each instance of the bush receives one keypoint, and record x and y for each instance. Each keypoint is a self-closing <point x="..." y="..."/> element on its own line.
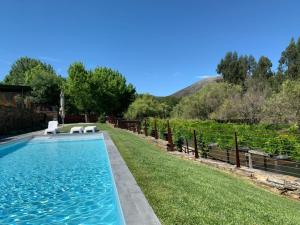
<point x="102" y="118"/>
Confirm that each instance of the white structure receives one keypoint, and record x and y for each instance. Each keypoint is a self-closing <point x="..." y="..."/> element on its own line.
<point x="90" y="129"/>
<point x="62" y="107"/>
<point x="52" y="127"/>
<point x="76" y="130"/>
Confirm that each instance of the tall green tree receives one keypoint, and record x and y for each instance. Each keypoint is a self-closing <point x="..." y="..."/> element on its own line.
<point x="289" y="62"/>
<point x="102" y="90"/>
<point x="17" y="73"/>
<point x="111" y="93"/>
<point x="45" y="84"/>
<point x="78" y="88"/>
<point x="263" y="70"/>
<point x="235" y="69"/>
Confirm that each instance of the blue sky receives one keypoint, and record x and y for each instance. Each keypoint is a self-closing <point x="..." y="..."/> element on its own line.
<point x="159" y="45"/>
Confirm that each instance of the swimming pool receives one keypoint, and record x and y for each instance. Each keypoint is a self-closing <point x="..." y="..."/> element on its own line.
<point x="58" y="180"/>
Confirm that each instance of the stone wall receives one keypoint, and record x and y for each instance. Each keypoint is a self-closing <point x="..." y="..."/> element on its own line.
<point x="14" y="120"/>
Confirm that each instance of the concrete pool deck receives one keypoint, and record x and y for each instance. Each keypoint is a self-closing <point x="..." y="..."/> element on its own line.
<point x="135" y="206"/>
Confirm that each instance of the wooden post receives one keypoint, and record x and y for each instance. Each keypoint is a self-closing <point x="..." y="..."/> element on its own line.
<point x="250" y="160"/>
<point x="227" y="156"/>
<point x="155" y="130"/>
<point x="195" y="144"/>
<point x="265" y="162"/>
<point x="237" y="154"/>
<point x="138" y="128"/>
<point x="170" y="140"/>
<point x="145" y="128"/>
<point x="187" y="146"/>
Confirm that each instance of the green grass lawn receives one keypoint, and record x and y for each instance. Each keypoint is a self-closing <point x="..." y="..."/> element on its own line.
<point x="185" y="192"/>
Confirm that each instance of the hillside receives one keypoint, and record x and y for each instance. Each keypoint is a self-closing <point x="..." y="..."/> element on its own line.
<point x="194" y="87"/>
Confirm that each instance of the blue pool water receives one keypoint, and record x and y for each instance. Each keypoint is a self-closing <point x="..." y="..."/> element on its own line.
<point x="59" y="180"/>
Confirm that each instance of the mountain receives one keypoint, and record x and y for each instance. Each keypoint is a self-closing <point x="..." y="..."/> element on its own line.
<point x="194" y="87"/>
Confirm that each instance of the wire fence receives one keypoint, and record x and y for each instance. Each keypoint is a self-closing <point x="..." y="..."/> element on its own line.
<point x="232" y="148"/>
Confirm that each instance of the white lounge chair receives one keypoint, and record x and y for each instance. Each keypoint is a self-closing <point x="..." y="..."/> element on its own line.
<point x="76" y="130"/>
<point x="52" y="127"/>
<point x="90" y="129"/>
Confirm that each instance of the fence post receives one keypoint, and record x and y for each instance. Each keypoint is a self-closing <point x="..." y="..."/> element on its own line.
<point x="145" y="128"/>
<point x="237" y="154"/>
<point x="265" y="162"/>
<point x="187" y="146"/>
<point x="250" y="160"/>
<point x="227" y="156"/>
<point x="170" y="140"/>
<point x="155" y="130"/>
<point x="139" y="126"/>
<point x="196" y="148"/>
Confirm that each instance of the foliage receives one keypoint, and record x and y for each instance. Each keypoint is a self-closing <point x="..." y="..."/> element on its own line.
<point x="284" y="107"/>
<point x="245" y="107"/>
<point x="17" y="73"/>
<point x="179" y="141"/>
<point x="170" y="101"/>
<point x="259" y="137"/>
<point x="235" y="69"/>
<point x="205" y="102"/>
<point x="102" y="90"/>
<point x="289" y="62"/>
<point x="263" y="69"/>
<point x="101" y="118"/>
<point x="40" y="76"/>
<point x="202" y="146"/>
<point x="45" y="85"/>
<point x="78" y="87"/>
<point x="146" y="106"/>
<point x="111" y="94"/>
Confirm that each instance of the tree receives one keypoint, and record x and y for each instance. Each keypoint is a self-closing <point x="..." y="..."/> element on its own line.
<point x="201" y="104"/>
<point x="102" y="91"/>
<point x="235" y="69"/>
<point x="17" y="73"/>
<point x="146" y="106"/>
<point x="245" y="107"/>
<point x="263" y="70"/>
<point x="78" y="89"/>
<point x="284" y="107"/>
<point x="289" y="62"/>
<point x="45" y="86"/>
<point x="111" y="94"/>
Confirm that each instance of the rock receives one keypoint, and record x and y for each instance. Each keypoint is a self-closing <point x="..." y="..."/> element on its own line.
<point x="275" y="181"/>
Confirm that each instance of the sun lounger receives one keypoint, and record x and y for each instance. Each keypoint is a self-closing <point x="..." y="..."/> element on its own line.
<point x="76" y="130"/>
<point x="90" y="129"/>
<point x="52" y="127"/>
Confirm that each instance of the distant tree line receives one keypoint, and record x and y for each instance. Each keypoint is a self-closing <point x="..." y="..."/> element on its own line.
<point x="101" y="90"/>
<point x="250" y="91"/>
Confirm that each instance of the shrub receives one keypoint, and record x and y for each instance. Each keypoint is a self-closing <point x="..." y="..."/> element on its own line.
<point x="101" y="118"/>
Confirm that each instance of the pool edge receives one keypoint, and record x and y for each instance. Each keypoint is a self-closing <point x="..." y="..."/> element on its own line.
<point x="135" y="207"/>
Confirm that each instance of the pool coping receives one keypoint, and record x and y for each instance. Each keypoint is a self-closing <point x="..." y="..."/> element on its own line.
<point x="14" y="138"/>
<point x="135" y="207"/>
